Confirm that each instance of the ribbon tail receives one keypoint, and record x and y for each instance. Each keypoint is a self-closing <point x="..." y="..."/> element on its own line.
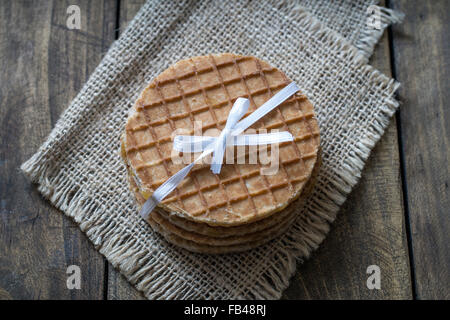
<point x="218" y="154"/>
<point x="268" y="106"/>
<point x="262" y="138"/>
<point x="192" y="143"/>
<point x="163" y="190"/>
<point x="167" y="187"/>
<point x="217" y="161"/>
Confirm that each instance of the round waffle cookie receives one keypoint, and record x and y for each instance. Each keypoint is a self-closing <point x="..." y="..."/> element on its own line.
<point x="203" y="89"/>
<point x="199" y="237"/>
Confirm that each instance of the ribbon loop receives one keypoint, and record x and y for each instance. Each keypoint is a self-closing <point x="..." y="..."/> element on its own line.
<point x="238" y="110"/>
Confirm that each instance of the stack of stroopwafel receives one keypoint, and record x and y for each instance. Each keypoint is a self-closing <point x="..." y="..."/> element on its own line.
<point x="241" y="207"/>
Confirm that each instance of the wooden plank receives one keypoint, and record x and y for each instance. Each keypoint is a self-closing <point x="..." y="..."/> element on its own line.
<point x="422" y="58"/>
<point x="118" y="287"/>
<point x="25" y="121"/>
<point x="369" y="230"/>
<point x="43" y="65"/>
<point x="74" y="55"/>
<point x="128" y="9"/>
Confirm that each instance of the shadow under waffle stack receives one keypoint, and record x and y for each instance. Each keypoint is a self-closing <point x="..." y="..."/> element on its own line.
<point x="240" y="208"/>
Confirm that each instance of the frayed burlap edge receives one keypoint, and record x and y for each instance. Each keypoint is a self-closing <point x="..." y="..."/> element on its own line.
<point x="370" y="35"/>
<point x="137" y="264"/>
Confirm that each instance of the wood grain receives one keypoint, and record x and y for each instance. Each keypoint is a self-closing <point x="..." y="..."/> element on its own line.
<point x="118" y="287"/>
<point x="43" y="64"/>
<point x="422" y="58"/>
<point x="369" y="230"/>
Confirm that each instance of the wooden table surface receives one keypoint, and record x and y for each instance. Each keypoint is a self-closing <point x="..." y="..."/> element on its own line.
<point x="397" y="217"/>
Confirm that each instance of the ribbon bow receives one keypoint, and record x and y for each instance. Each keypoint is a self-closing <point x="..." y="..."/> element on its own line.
<point x="230" y="135"/>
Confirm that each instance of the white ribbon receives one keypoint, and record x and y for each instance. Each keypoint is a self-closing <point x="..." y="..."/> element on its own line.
<point x="191" y="144"/>
<point x="230" y="135"/>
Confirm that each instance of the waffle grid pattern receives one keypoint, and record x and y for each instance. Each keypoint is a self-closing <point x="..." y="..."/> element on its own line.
<point x="207" y="78"/>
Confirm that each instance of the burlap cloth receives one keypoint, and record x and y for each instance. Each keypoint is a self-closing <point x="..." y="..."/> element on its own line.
<point x="79" y="169"/>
